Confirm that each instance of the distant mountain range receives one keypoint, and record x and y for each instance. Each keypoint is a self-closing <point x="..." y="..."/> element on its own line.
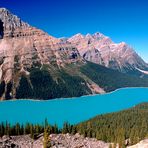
<point x="36" y="65"/>
<point x="100" y="49"/>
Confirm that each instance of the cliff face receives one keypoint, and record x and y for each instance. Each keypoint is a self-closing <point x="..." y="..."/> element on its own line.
<point x="102" y="50"/>
<point x="10" y="23"/>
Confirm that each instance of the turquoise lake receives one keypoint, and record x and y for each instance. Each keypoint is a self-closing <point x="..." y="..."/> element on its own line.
<point x="73" y="110"/>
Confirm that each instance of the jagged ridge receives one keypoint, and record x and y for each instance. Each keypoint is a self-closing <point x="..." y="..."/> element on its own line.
<point x="100" y="49"/>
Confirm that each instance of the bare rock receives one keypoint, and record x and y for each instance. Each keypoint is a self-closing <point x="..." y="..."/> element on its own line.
<point x="57" y="141"/>
<point x="100" y="49"/>
<point x="141" y="144"/>
<point x="23" y="47"/>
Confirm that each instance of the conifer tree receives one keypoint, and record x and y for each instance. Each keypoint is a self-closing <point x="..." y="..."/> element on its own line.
<point x="46" y="142"/>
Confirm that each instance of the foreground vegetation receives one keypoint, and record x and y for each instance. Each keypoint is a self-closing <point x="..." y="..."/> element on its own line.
<point x="117" y="127"/>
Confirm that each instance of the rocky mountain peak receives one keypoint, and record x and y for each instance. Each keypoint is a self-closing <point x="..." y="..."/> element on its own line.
<point x="100" y="49"/>
<point x="4" y="10"/>
<point x="23" y="48"/>
<point x="11" y="22"/>
<point x="76" y="38"/>
<point x="8" y="18"/>
<point x="123" y="44"/>
<point x="98" y="35"/>
<point x="79" y="35"/>
<point x="88" y="35"/>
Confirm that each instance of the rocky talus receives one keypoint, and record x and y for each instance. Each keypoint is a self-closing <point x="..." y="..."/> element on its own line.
<point x="60" y="141"/>
<point x="57" y="141"/>
<point x="141" y="144"/>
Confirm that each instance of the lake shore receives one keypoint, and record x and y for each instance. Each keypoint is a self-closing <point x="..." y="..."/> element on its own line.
<point x="107" y="93"/>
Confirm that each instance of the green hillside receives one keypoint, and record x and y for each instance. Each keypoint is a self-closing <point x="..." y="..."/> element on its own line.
<point x="110" y="79"/>
<point x="117" y="127"/>
<point x="71" y="81"/>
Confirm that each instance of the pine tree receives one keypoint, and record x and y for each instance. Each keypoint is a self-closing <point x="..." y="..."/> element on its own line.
<point x="31" y="131"/>
<point x="74" y="131"/>
<point x="7" y="128"/>
<point x="46" y="124"/>
<point x="120" y="137"/>
<point x="55" y="129"/>
<point x="17" y="129"/>
<point x="2" y="129"/>
<point x="46" y="142"/>
<point x="65" y="129"/>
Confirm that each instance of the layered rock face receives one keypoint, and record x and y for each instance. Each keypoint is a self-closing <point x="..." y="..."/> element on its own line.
<point x="102" y="50"/>
<point x="11" y="23"/>
<point x="23" y="47"/>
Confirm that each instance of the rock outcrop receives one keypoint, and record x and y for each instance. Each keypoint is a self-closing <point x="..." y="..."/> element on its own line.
<point x="76" y="141"/>
<point x="141" y="144"/>
<point x="11" y="23"/>
<point x="57" y="141"/>
<point x="60" y="141"/>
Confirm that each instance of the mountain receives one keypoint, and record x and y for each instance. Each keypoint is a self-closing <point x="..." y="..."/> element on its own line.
<point x="24" y="48"/>
<point x="100" y="49"/>
<point x="36" y="65"/>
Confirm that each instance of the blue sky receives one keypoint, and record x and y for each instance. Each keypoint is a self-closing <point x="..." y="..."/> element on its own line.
<point x="122" y="20"/>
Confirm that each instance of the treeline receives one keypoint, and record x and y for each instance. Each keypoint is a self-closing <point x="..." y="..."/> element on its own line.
<point x="27" y="129"/>
<point x="34" y="129"/>
<point x="129" y="125"/>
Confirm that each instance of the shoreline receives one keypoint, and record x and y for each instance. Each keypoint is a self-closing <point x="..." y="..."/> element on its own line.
<point x="83" y="97"/>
